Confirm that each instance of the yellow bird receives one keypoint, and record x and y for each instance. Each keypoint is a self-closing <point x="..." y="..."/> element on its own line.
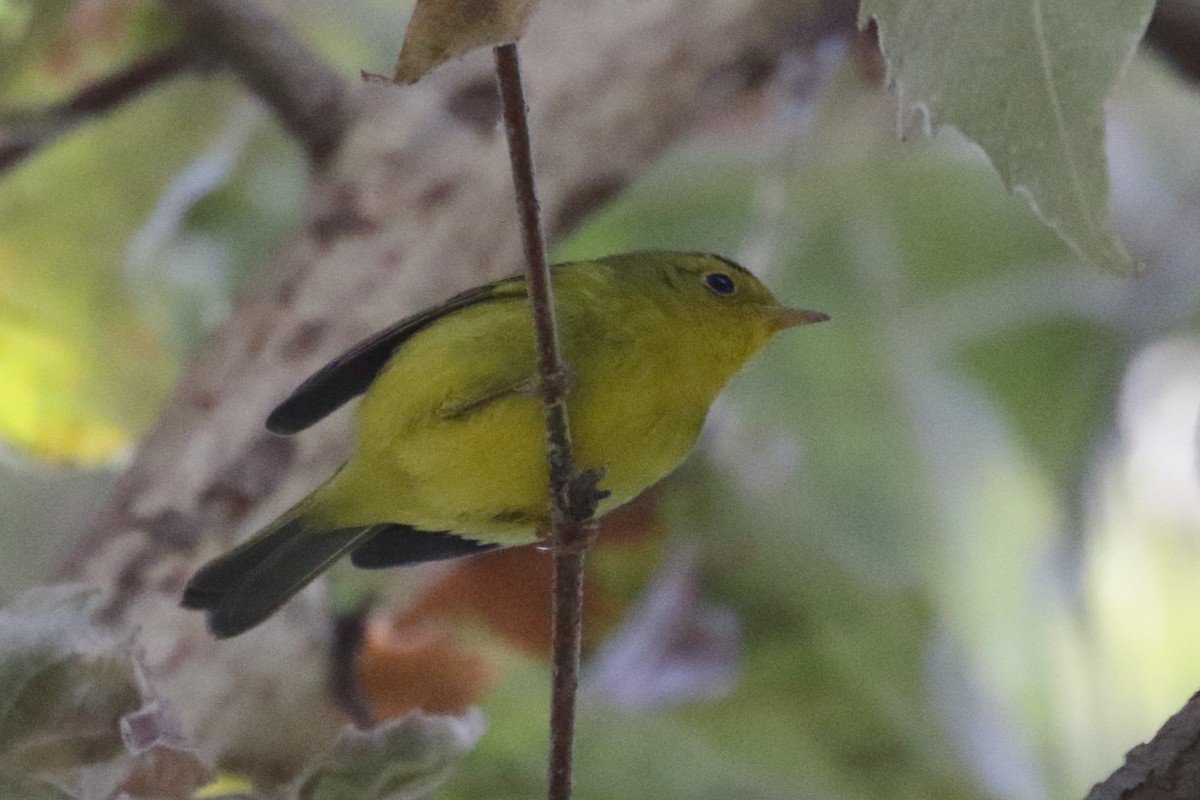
<point x="450" y="436"/>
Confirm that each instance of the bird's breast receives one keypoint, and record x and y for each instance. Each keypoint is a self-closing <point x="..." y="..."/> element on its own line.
<point x="637" y="426"/>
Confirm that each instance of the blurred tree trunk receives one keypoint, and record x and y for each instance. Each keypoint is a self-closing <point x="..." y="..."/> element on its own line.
<point x="411" y="200"/>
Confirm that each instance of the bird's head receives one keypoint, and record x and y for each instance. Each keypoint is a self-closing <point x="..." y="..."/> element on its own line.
<point x="719" y="287"/>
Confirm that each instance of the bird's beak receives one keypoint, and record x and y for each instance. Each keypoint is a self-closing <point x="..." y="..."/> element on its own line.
<point x="782" y="317"/>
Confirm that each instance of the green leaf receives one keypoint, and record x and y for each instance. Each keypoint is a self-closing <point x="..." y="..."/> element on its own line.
<point x="406" y="758"/>
<point x="1057" y="382"/>
<point x="74" y="707"/>
<point x="64" y="685"/>
<point x="1027" y="81"/>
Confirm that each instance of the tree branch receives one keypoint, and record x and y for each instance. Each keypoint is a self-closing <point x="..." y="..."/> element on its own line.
<point x="1165" y="768"/>
<point x="311" y="100"/>
<point x="24" y="132"/>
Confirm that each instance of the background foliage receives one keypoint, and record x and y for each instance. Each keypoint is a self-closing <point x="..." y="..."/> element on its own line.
<point x="943" y="546"/>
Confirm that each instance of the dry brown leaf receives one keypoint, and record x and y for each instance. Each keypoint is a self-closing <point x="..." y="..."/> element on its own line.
<point x="472" y="589"/>
<point x="417" y="660"/>
<point x="444" y="29"/>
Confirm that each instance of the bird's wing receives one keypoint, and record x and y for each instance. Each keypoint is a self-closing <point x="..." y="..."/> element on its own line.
<point x="400" y="545"/>
<point x="349" y="375"/>
<point x="295" y="563"/>
<point x="460" y="408"/>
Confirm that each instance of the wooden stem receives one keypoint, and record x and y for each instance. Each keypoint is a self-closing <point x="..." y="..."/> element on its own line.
<point x="573" y="494"/>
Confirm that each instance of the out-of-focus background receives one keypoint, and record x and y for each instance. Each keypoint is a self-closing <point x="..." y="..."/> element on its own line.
<point x="943" y="546"/>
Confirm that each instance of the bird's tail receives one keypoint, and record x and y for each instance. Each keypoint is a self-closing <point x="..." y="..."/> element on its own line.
<point x="243" y="587"/>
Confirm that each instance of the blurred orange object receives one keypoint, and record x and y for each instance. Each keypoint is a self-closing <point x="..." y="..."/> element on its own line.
<point x="402" y="667"/>
<point x="414" y="660"/>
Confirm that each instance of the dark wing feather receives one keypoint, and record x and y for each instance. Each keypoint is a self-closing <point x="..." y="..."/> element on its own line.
<point x="398" y="545"/>
<point x="294" y="564"/>
<point x="218" y="577"/>
<point x="351" y="373"/>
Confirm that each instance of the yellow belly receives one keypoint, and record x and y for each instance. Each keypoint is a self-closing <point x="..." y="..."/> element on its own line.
<point x="485" y="475"/>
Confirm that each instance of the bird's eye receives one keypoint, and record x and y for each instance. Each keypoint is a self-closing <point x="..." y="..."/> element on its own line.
<point x="719" y="282"/>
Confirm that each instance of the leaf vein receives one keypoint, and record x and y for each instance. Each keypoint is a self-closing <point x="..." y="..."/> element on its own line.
<point x="1060" y="122"/>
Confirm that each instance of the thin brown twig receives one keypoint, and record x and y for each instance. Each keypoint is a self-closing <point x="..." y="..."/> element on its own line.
<point x="24" y="132"/>
<point x="573" y="494"/>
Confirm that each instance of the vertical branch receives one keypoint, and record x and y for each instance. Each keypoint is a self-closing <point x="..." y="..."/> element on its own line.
<point x="573" y="494"/>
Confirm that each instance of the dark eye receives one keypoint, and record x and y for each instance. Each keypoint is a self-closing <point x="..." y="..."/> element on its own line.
<point x="719" y="282"/>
